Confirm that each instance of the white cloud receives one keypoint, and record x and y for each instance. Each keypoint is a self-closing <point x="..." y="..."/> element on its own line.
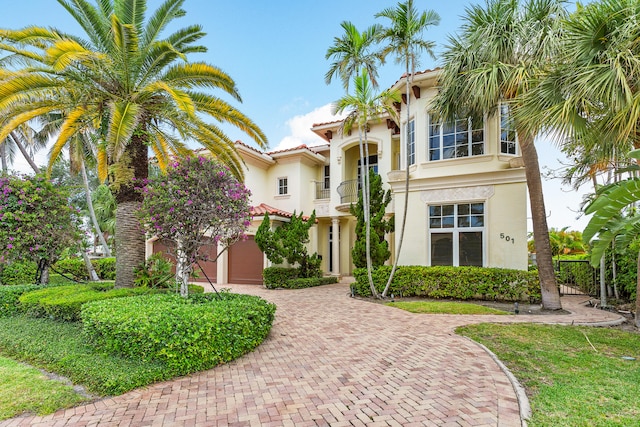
<point x="300" y="128"/>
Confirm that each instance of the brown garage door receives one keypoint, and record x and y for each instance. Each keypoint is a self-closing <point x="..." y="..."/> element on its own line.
<point x="210" y="268"/>
<point x="245" y="262"/>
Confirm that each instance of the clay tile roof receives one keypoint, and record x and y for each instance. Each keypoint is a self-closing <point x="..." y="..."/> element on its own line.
<point x="263" y="209"/>
<point x="417" y="73"/>
<point x="327" y="123"/>
<point x="299" y="147"/>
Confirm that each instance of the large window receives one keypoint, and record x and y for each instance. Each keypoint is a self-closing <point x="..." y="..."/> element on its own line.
<point x="411" y="146"/>
<point x="456" y="234"/>
<point x="373" y="165"/>
<point x="459" y="138"/>
<point x="326" y="177"/>
<point x="508" y="140"/>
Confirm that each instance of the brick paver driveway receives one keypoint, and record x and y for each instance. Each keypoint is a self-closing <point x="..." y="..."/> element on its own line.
<point x="331" y="360"/>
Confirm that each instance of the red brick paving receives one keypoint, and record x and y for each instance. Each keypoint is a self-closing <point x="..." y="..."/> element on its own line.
<point x="331" y="360"/>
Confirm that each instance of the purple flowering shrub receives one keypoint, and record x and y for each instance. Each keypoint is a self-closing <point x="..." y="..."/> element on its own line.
<point x="36" y="220"/>
<point x="197" y="200"/>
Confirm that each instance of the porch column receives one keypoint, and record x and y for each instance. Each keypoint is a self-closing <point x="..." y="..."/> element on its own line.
<point x="335" y="246"/>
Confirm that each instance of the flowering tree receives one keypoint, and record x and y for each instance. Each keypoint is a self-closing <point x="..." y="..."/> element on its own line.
<point x="36" y="221"/>
<point x="196" y="200"/>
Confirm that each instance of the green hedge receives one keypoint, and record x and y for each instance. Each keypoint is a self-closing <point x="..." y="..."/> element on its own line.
<point x="187" y="334"/>
<point x="308" y="282"/>
<point x="105" y="268"/>
<point x="9" y="298"/>
<point x="453" y="282"/>
<point x="18" y="273"/>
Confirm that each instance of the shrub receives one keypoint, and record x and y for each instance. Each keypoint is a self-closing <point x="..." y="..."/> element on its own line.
<point x="188" y="334"/>
<point x="308" y="282"/>
<point x="105" y="268"/>
<point x="452" y="282"/>
<point x="72" y="267"/>
<point x="9" y="298"/>
<point x="277" y="277"/>
<point x="155" y="272"/>
<point x="65" y="302"/>
<point x="18" y="273"/>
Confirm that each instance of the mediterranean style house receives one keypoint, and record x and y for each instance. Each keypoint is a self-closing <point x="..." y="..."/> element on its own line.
<point x="466" y="196"/>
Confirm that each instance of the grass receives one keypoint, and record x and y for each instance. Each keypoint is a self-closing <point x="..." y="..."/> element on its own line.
<point x="444" y="307"/>
<point x="59" y="347"/>
<point x="574" y="376"/>
<point x="26" y="389"/>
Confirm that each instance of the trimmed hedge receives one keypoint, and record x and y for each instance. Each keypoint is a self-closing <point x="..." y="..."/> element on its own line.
<point x="18" y="273"/>
<point x="452" y="282"/>
<point x="21" y="273"/>
<point x="289" y="278"/>
<point x="308" y="282"/>
<point x="9" y="298"/>
<point x="188" y="334"/>
<point x="64" y="302"/>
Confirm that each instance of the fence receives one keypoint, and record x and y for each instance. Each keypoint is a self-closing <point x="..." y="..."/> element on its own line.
<point x="577" y="277"/>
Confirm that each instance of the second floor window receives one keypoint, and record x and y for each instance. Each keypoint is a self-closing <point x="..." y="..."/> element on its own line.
<point x="411" y="146"/>
<point x="508" y="139"/>
<point x="283" y="186"/>
<point x="326" y="177"/>
<point x="458" y="138"/>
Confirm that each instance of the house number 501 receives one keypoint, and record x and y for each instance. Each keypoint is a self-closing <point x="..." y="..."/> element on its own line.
<point x="508" y="238"/>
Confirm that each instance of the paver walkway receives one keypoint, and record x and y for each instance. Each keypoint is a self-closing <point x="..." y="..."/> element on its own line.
<point x="331" y="360"/>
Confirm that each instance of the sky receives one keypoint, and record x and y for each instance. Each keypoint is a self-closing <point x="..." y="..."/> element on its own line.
<point x="275" y="52"/>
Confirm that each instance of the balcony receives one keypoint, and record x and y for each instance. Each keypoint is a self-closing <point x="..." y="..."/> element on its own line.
<point x="321" y="191"/>
<point x="348" y="191"/>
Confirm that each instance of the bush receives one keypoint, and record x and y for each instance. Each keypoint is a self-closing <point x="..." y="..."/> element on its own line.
<point x="65" y="302"/>
<point x="277" y="277"/>
<point x="308" y="282"/>
<point x="72" y="267"/>
<point x="18" y="273"/>
<point x="9" y="298"/>
<point x="188" y="334"/>
<point x="452" y="282"/>
<point x="105" y="268"/>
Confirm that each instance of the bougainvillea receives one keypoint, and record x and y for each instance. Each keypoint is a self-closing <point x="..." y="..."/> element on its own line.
<point x="36" y="221"/>
<point x="197" y="201"/>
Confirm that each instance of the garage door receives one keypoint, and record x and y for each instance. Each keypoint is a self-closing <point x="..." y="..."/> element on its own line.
<point x="245" y="262"/>
<point x="210" y="268"/>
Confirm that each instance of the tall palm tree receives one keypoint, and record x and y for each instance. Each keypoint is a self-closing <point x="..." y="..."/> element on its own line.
<point x="501" y="48"/>
<point x="352" y="54"/>
<point x="136" y="88"/>
<point x="26" y="140"/>
<point x="365" y="106"/>
<point x="404" y="39"/>
<point x="593" y="87"/>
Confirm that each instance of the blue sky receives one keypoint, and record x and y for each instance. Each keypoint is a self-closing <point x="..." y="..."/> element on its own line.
<point x="275" y="50"/>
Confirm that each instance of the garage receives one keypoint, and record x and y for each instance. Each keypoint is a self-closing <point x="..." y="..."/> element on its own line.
<point x="246" y="262"/>
<point x="209" y="251"/>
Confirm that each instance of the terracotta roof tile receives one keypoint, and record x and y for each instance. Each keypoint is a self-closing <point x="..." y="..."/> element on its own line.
<point x="299" y="147"/>
<point x="263" y="209"/>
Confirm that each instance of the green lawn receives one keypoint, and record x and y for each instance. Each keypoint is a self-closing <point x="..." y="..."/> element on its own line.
<point x="574" y="376"/>
<point x="26" y="389"/>
<point x="444" y="307"/>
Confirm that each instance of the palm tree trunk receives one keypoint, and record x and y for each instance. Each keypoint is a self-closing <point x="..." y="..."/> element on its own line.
<point x="406" y="184"/>
<point x="548" y="286"/>
<point x="93" y="276"/>
<point x="23" y="150"/>
<point x="130" y="239"/>
<point x="3" y="157"/>
<point x="92" y="213"/>
<point x="365" y="201"/>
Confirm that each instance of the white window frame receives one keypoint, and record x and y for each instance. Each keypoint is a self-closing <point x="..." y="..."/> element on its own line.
<point x="411" y="146"/>
<point x="326" y="177"/>
<point x="455" y="231"/>
<point x="470" y="143"/>
<point x="506" y="130"/>
<point x="282" y="186"/>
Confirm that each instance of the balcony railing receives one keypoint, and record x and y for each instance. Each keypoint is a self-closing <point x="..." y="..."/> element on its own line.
<point x="321" y="191"/>
<point x="348" y="191"/>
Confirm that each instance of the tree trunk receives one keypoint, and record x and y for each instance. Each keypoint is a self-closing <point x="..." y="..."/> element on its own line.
<point x="183" y="269"/>
<point x="129" y="236"/>
<point x="92" y="213"/>
<point x="548" y="286"/>
<point x="637" y="317"/>
<point x="23" y="150"/>
<point x="364" y="173"/>
<point x="3" y="157"/>
<point x="44" y="276"/>
<point x="93" y="276"/>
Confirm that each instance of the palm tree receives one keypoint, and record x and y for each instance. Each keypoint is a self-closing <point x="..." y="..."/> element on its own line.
<point x="365" y="106"/>
<point x="136" y="88"/>
<point x="352" y="53"/>
<point x="500" y="50"/>
<point x="404" y="39"/>
<point x="25" y="139"/>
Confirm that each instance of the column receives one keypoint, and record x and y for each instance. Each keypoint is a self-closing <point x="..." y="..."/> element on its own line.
<point x="335" y="246"/>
